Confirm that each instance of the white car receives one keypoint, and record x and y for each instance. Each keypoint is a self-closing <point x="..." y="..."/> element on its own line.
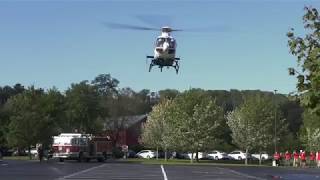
<point x="238" y="155"/>
<point x="33" y="152"/>
<point x="147" y="154"/>
<point x="216" y="155"/>
<point x="264" y="156"/>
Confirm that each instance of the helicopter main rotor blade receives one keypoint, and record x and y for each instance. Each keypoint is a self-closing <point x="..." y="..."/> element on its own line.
<point x="127" y="26"/>
<point x="156" y="20"/>
<point x="210" y="29"/>
<point x="177" y="30"/>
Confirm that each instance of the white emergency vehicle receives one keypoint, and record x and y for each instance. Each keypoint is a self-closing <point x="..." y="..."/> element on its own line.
<point x="81" y="147"/>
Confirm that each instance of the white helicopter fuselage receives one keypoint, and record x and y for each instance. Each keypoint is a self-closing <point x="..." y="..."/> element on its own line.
<point x="165" y="47"/>
<point x="165" y="51"/>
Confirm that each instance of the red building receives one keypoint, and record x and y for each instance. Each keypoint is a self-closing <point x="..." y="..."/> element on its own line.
<point x="125" y="130"/>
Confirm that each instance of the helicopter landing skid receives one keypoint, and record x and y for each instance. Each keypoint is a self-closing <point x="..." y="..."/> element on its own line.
<point x="161" y="64"/>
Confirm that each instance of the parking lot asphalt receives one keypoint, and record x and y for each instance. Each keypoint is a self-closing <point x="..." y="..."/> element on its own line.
<point x="289" y="173"/>
<point x="72" y="170"/>
<point x="34" y="170"/>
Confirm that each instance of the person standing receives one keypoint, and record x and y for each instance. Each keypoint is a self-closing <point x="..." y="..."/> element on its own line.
<point x="318" y="159"/>
<point x="40" y="153"/>
<point x="312" y="159"/>
<point x="287" y="157"/>
<point x="303" y="158"/>
<point x="295" y="158"/>
<point x="276" y="157"/>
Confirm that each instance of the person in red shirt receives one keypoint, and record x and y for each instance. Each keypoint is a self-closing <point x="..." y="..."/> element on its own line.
<point x="287" y="157"/>
<point x="295" y="159"/>
<point x="276" y="157"/>
<point x="302" y="158"/>
<point x="318" y="159"/>
<point x="312" y="159"/>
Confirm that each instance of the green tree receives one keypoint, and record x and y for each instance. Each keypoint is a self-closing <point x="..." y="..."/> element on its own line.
<point x="158" y="131"/>
<point x="29" y="123"/>
<point x="309" y="132"/>
<point x="105" y="84"/>
<point x="189" y="123"/>
<point x="6" y="93"/>
<point x="83" y="108"/>
<point x="144" y="103"/>
<point x="252" y="124"/>
<point x="168" y="93"/>
<point x="54" y="105"/>
<point x="307" y="50"/>
<point x="310" y="139"/>
<point x="198" y="120"/>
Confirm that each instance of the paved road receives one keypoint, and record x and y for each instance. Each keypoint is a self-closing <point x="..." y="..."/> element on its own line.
<point x="280" y="172"/>
<point x="33" y="170"/>
<point x="16" y="170"/>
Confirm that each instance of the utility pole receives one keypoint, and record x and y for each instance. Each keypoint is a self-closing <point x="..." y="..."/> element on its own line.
<point x="275" y="121"/>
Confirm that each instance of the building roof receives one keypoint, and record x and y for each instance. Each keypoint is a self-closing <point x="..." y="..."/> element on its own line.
<point x="124" y="121"/>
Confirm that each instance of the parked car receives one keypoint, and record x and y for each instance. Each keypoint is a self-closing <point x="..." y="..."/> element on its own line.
<point x="216" y="155"/>
<point x="162" y="154"/>
<point x="7" y="152"/>
<point x="131" y="154"/>
<point x="264" y="156"/>
<point x="147" y="154"/>
<point x="238" y="155"/>
<point x="181" y="155"/>
<point x="33" y="152"/>
<point x="19" y="152"/>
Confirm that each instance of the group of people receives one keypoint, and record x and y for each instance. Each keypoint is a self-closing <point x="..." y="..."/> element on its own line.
<point x="297" y="159"/>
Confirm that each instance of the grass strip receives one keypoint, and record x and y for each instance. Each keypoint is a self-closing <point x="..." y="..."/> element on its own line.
<point x="22" y="158"/>
<point x="201" y="162"/>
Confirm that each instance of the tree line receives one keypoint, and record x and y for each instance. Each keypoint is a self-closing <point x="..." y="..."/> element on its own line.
<point x="33" y="115"/>
<point x="197" y="121"/>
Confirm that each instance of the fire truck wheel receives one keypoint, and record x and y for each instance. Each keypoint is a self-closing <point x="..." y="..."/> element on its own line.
<point x="100" y="159"/>
<point x="61" y="160"/>
<point x="88" y="159"/>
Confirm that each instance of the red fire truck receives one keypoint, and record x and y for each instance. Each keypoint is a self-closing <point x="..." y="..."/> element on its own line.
<point x="81" y="147"/>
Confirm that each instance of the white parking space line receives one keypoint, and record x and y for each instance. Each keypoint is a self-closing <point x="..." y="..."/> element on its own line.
<point x="241" y="174"/>
<point x="118" y="172"/>
<point x="164" y="173"/>
<point x="81" y="172"/>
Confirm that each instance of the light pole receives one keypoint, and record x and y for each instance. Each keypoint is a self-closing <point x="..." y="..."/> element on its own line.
<point x="275" y="121"/>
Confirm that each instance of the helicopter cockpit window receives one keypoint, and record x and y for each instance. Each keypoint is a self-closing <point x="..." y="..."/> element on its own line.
<point x="160" y="42"/>
<point x="171" y="42"/>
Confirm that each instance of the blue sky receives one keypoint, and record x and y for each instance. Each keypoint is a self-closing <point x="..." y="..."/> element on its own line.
<point x="56" y="43"/>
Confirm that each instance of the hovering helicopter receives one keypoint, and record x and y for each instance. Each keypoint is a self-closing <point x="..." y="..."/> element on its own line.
<point x="165" y="51"/>
<point x="165" y="46"/>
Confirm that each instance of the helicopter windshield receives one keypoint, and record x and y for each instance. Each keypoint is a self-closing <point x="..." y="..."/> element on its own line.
<point x="160" y="42"/>
<point x="170" y="41"/>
